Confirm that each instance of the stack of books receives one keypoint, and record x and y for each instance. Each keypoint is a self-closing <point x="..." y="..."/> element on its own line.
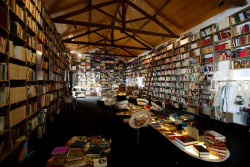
<point x="59" y="156"/>
<point x="201" y="151"/>
<point x="215" y="143"/>
<point x="185" y="142"/>
<point x="75" y="155"/>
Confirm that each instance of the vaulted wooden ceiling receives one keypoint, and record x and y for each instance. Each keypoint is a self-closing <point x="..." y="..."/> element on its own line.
<point x="127" y="27"/>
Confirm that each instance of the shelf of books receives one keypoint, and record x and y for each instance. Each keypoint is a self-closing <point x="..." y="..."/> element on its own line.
<point x="96" y="72"/>
<point x="184" y="67"/>
<point x="34" y="67"/>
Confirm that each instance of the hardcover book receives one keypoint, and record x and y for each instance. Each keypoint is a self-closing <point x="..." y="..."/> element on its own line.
<point x="200" y="149"/>
<point x="214" y="134"/>
<point x="187" y="140"/>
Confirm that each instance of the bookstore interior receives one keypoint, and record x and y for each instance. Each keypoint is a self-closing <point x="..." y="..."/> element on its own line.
<point x="152" y="64"/>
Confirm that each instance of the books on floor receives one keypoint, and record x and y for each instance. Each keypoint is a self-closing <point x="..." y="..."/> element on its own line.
<point x="75" y="155"/>
<point x="59" y="150"/>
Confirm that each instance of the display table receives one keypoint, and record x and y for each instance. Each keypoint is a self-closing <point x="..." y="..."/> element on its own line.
<point x="82" y="151"/>
<point x="189" y="152"/>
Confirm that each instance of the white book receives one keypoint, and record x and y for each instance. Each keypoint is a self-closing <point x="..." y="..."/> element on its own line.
<point x="242" y="18"/>
<point x="19" y="52"/>
<point x="1" y="123"/>
<point x="11" y="48"/>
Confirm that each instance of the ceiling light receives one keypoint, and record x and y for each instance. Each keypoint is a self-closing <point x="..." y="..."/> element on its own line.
<point x="79" y="55"/>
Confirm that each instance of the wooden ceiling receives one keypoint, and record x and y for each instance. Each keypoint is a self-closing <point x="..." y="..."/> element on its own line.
<point x="127" y="27"/>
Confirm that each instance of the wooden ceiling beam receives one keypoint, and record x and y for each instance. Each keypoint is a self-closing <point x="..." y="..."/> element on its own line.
<point x="156" y="13"/>
<point x="83" y="34"/>
<point x="123" y="15"/>
<point x="84" y="46"/>
<point x="138" y="19"/>
<point x="152" y="18"/>
<point x="107" y="14"/>
<point x="107" y="54"/>
<point x="112" y="42"/>
<point x="137" y="40"/>
<point x="90" y="4"/>
<point x="81" y="23"/>
<point x="121" y="38"/>
<point x="85" y="9"/>
<point x="103" y="44"/>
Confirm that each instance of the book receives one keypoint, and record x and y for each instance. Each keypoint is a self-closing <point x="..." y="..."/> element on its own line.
<point x="214" y="134"/>
<point x="188" y="140"/>
<point x="59" y="150"/>
<point x="209" y="142"/>
<point x="3" y="44"/>
<point x="200" y="150"/>
<point x="183" y="146"/>
<point x="1" y="123"/>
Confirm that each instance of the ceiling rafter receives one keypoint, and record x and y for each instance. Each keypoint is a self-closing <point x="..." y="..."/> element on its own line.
<point x="85" y="9"/>
<point x="138" y="19"/>
<point x="118" y="39"/>
<point x="108" y="54"/>
<point x="156" y="13"/>
<point x="112" y="23"/>
<point x="154" y="19"/>
<point x="137" y="40"/>
<point x="84" y="46"/>
<point x="113" y="43"/>
<point x="83" y="34"/>
<point x="103" y="44"/>
<point x="107" y="14"/>
<point x="138" y="31"/>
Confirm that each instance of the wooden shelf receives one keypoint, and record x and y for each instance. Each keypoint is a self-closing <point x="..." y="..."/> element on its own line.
<point x="242" y="22"/>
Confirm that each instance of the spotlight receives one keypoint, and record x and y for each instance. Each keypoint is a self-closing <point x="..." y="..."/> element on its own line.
<point x="79" y="55"/>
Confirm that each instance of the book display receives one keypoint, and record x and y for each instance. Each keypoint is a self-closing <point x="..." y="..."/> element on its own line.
<point x="183" y="69"/>
<point x="210" y="148"/>
<point x="33" y="66"/>
<point x="81" y="151"/>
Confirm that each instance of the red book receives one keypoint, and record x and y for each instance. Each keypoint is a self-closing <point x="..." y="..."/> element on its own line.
<point x="243" y="53"/>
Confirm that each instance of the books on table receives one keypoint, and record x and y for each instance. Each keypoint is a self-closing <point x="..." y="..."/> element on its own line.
<point x="215" y="143"/>
<point x="185" y="142"/>
<point x="201" y="151"/>
<point x="215" y="135"/>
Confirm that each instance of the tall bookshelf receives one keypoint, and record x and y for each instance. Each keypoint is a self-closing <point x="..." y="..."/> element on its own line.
<point x="95" y="72"/>
<point x="34" y="74"/>
<point x="184" y="67"/>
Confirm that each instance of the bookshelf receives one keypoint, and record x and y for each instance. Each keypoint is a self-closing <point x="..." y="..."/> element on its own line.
<point x="184" y="67"/>
<point x="98" y="71"/>
<point x="34" y="73"/>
